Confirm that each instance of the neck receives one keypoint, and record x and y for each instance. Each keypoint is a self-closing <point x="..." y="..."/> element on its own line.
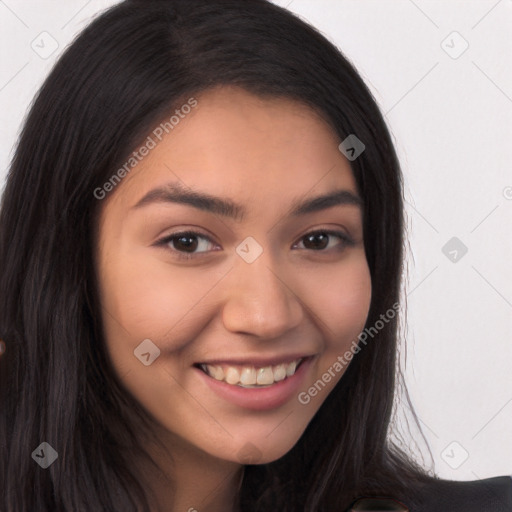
<point x="192" y="480"/>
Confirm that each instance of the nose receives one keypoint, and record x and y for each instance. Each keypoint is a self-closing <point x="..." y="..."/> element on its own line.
<point x="261" y="300"/>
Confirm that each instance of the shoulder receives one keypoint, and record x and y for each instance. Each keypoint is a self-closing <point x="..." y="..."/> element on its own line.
<point x="436" y="495"/>
<point x="487" y="495"/>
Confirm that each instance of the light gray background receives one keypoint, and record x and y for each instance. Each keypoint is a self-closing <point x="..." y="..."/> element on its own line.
<point x="451" y="118"/>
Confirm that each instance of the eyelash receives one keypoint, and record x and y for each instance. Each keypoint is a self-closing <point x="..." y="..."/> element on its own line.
<point x="347" y="241"/>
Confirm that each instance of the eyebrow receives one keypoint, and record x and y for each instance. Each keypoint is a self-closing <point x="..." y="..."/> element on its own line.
<point x="177" y="193"/>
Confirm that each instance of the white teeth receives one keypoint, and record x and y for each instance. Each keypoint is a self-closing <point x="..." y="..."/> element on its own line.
<point x="249" y="376"/>
<point x="290" y="369"/>
<point x="280" y="372"/>
<point x="232" y="375"/>
<point x="265" y="376"/>
<point x="213" y="371"/>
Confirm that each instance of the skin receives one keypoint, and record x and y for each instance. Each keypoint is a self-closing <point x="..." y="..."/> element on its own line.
<point x="263" y="154"/>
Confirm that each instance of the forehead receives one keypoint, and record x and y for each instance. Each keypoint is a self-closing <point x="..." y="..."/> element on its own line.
<point x="235" y="144"/>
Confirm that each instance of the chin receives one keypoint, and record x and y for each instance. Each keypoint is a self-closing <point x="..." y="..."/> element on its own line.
<point x="261" y="450"/>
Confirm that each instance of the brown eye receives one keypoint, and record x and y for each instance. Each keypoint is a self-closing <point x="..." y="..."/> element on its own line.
<point x="316" y="241"/>
<point x="185" y="244"/>
<point x="319" y="240"/>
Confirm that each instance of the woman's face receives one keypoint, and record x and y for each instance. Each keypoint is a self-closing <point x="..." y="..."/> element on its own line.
<point x="246" y="294"/>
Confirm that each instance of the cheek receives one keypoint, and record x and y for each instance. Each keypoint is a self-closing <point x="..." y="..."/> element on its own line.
<point x="341" y="300"/>
<point x="341" y="307"/>
<point x="145" y="299"/>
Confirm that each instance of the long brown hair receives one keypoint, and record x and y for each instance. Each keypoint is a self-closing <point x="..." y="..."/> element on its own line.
<point x="126" y="71"/>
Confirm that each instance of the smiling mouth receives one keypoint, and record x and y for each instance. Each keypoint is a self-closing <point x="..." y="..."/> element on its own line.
<point x="250" y="376"/>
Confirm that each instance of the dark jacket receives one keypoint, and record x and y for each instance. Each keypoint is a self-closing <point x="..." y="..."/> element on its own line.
<point x="487" y="495"/>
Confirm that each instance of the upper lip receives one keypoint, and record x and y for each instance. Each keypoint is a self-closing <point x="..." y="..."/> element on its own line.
<point x="258" y="360"/>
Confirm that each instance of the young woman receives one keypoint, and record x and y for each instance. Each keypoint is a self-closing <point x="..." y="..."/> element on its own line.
<point x="200" y="258"/>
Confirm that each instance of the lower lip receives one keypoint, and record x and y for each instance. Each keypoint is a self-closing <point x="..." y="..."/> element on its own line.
<point x="259" y="399"/>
